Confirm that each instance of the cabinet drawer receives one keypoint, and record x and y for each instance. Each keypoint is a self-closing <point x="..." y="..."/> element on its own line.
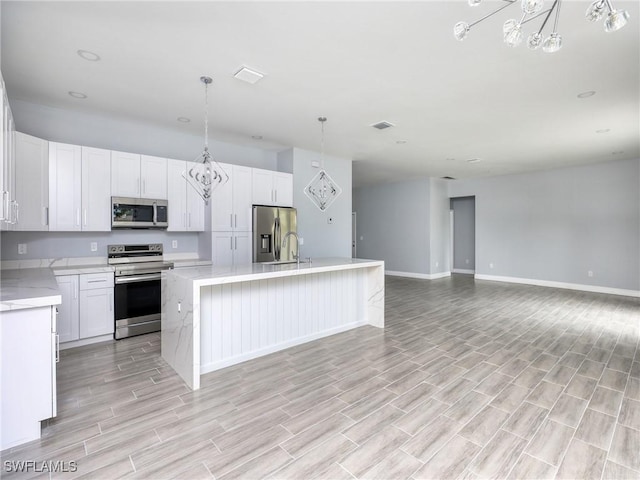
<point x="91" y="281"/>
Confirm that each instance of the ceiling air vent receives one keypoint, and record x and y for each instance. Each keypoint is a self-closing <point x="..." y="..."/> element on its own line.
<point x="382" y="125"/>
<point x="447" y="178"/>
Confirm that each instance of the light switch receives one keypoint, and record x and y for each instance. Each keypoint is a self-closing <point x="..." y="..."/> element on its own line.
<point x="22" y="248"/>
<point x="94" y="246"/>
<point x="174" y="244"/>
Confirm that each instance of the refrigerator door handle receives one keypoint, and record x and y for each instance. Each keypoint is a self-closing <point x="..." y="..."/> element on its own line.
<point x="277" y="245"/>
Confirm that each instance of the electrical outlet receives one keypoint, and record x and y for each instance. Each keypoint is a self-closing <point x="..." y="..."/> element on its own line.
<point x="437" y="264"/>
<point x="174" y="244"/>
<point x="301" y="241"/>
<point x="94" y="246"/>
<point x="467" y="261"/>
<point x="491" y="265"/>
<point x="590" y="273"/>
<point x="330" y="220"/>
<point x="22" y="248"/>
<point x="315" y="164"/>
<point x="361" y="237"/>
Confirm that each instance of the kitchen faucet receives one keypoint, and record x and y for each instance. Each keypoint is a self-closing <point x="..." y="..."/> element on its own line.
<point x="284" y="241"/>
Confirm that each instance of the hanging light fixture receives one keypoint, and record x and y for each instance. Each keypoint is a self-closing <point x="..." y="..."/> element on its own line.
<point x="322" y="190"/>
<point x="205" y="174"/>
<point x="532" y="9"/>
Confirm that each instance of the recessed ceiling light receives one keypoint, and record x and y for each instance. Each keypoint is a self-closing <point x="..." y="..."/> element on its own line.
<point x="248" y="75"/>
<point x="256" y="137"/>
<point x="587" y="94"/>
<point x="87" y="55"/>
<point x="617" y="152"/>
<point x="78" y="95"/>
<point x="474" y="160"/>
<point x="183" y="119"/>
<point x="401" y="142"/>
<point x="450" y="159"/>
<point x="603" y="130"/>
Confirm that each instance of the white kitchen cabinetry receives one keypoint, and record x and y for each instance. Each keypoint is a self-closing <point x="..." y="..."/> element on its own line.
<point x="65" y="187"/>
<point x="186" y="207"/>
<point x="32" y="182"/>
<point x="231" y="202"/>
<point x="230" y="248"/>
<point x="68" y="310"/>
<point x="87" y="306"/>
<point x="138" y="176"/>
<point x="28" y="353"/>
<point x="272" y="188"/>
<point x="9" y="205"/>
<point x="96" y="189"/>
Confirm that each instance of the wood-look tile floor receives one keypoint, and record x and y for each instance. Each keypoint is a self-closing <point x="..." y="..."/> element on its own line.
<point x="469" y="379"/>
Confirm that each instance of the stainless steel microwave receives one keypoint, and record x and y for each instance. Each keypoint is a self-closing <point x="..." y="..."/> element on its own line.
<point x="138" y="213"/>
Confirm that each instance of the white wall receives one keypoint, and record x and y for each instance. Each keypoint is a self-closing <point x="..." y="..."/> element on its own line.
<point x="321" y="239"/>
<point x="557" y="225"/>
<point x="393" y="221"/>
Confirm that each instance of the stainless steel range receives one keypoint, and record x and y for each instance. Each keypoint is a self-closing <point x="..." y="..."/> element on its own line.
<point x="137" y="302"/>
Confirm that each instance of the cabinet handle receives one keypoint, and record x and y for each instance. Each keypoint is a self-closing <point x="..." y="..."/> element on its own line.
<point x="236" y="217"/>
<point x="57" y="347"/>
<point x="231" y="243"/>
<point x="4" y="206"/>
<point x="144" y="186"/>
<point x="16" y="209"/>
<point x="85" y="217"/>
<point x="96" y="281"/>
<point x="236" y="243"/>
<point x="78" y="217"/>
<point x="45" y="215"/>
<point x="189" y="224"/>
<point x="231" y="220"/>
<point x="184" y="220"/>
<point x="275" y="194"/>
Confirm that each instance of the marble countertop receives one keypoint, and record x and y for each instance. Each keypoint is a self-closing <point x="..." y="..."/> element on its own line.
<point x="216" y="275"/>
<point x="81" y="269"/>
<point x="28" y="288"/>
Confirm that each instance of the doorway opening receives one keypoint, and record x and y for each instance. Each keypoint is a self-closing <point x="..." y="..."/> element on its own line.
<point x="463" y="235"/>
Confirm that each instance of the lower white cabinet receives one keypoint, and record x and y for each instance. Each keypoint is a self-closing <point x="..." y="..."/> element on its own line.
<point x="87" y="306"/>
<point x="28" y="355"/>
<point x="230" y="248"/>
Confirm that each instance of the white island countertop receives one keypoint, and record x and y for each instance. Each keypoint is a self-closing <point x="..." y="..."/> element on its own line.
<point x="218" y="275"/>
<point x="28" y="288"/>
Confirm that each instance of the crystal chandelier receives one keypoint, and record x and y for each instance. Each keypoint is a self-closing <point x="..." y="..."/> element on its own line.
<point x="322" y="190"/>
<point x="532" y="9"/>
<point x="205" y="174"/>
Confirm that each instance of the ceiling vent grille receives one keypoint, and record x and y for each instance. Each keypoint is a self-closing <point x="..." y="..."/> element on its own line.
<point x="382" y="125"/>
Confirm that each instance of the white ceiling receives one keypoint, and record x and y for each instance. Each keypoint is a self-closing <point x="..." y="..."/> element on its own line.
<point x="356" y="63"/>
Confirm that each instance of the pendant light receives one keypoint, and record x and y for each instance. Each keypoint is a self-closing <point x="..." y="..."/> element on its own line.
<point x="322" y="190"/>
<point x="205" y="174"/>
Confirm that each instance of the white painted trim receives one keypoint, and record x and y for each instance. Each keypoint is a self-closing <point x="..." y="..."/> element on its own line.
<point x="422" y="276"/>
<point x="86" y="341"/>
<point x="552" y="284"/>
<point x="462" y="270"/>
<point x="210" y="367"/>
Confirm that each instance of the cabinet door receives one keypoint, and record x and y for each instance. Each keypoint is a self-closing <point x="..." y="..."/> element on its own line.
<point x="283" y="189"/>
<point x="96" y="189"/>
<point x="153" y="175"/>
<point x="68" y="313"/>
<point x="125" y="174"/>
<point x="96" y="312"/>
<point x="262" y="186"/>
<point x="3" y="153"/>
<point x="195" y="211"/>
<point x="242" y="197"/>
<point x="177" y="195"/>
<point x="222" y="204"/>
<point x="242" y="248"/>
<point x="65" y="180"/>
<point x="32" y="182"/>
<point x="222" y="248"/>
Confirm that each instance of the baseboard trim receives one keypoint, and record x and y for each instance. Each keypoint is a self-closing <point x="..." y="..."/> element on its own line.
<point x="422" y="276"/>
<point x="552" y="284"/>
<point x="86" y="341"/>
<point x="462" y="270"/>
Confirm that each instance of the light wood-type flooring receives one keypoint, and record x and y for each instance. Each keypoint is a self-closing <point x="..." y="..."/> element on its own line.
<point x="469" y="379"/>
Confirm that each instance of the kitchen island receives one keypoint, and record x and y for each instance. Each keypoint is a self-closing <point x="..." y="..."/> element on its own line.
<point x="214" y="317"/>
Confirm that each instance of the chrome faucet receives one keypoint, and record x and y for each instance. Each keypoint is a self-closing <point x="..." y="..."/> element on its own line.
<point x="284" y="241"/>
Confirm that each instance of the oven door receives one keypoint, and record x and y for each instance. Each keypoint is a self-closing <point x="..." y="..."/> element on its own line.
<point x="137" y="304"/>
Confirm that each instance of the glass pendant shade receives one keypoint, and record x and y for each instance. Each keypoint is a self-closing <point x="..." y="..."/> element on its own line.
<point x="512" y="33"/>
<point x="474" y="3"/>
<point x="532" y="6"/>
<point x="552" y="44"/>
<point x="595" y="11"/>
<point x="461" y="30"/>
<point x="534" y="41"/>
<point x="616" y="20"/>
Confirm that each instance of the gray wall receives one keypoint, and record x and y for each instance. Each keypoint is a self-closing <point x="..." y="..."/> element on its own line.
<point x="78" y="244"/>
<point x="557" y="225"/>
<point x="321" y="239"/>
<point x="439" y="228"/>
<point x="464" y="233"/>
<point x="393" y="222"/>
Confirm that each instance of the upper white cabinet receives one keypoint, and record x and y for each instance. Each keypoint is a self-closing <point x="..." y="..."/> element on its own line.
<point x="272" y="188"/>
<point x="138" y="176"/>
<point x="231" y="202"/>
<point x="96" y="189"/>
<point x="32" y="182"/>
<point x="65" y="187"/>
<point x="186" y="207"/>
<point x="9" y="205"/>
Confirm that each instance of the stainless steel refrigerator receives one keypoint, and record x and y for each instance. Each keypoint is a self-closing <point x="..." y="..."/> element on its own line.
<point x="270" y="225"/>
